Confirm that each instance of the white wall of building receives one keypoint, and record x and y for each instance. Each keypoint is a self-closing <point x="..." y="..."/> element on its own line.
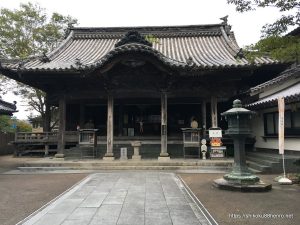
<point x="291" y="143"/>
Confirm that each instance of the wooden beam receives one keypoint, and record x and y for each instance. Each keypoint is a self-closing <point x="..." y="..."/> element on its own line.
<point x="203" y="109"/>
<point x="214" y="111"/>
<point x="164" y="136"/>
<point x="62" y="127"/>
<point x="109" y="155"/>
<point x="47" y="119"/>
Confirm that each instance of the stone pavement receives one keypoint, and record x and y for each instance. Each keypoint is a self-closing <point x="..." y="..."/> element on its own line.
<point x="124" y="198"/>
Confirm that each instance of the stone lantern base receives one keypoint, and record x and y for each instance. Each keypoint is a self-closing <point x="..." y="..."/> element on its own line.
<point x="241" y="179"/>
<point x="243" y="187"/>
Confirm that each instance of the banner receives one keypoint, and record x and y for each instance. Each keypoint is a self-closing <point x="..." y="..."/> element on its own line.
<point x="281" y="125"/>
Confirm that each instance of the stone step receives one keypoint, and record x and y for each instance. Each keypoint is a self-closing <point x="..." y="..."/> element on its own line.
<point x="270" y="163"/>
<point x="271" y="156"/>
<point x="274" y="161"/>
<point x="103" y="167"/>
<point x="254" y="171"/>
<point x="34" y="169"/>
<point x="259" y="167"/>
<point x="80" y="163"/>
<point x="265" y="156"/>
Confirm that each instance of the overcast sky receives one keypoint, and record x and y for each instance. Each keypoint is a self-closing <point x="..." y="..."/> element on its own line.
<point x="105" y="13"/>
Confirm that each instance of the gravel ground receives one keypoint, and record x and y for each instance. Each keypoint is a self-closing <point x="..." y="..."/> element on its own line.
<point x="21" y="195"/>
<point x="236" y="208"/>
<point x="8" y="162"/>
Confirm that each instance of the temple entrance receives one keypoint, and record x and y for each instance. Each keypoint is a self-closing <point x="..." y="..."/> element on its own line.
<point x="140" y="120"/>
<point x="144" y="119"/>
<point x="138" y="117"/>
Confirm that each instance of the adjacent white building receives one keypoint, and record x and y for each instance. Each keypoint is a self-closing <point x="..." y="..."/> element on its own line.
<point x="265" y="124"/>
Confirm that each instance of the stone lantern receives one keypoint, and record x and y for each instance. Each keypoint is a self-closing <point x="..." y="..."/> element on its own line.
<point x="240" y="178"/>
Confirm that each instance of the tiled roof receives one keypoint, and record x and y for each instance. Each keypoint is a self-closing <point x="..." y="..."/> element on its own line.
<point x="7" y="108"/>
<point x="196" y="47"/>
<point x="291" y="94"/>
<point x="285" y="75"/>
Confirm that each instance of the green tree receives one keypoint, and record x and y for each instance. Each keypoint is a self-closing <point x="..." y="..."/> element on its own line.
<point x="274" y="42"/>
<point x="23" y="126"/>
<point x="289" y="8"/>
<point x="5" y="124"/>
<point x="29" y="31"/>
<point x="11" y="124"/>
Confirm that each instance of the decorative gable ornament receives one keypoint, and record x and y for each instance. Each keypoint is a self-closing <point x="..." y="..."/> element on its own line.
<point x="44" y="58"/>
<point x="133" y="37"/>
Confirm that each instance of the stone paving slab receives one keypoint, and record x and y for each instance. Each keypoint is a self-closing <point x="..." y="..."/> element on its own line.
<point x="123" y="198"/>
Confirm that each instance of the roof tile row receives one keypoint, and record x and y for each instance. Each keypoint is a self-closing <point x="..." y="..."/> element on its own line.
<point x="207" y="46"/>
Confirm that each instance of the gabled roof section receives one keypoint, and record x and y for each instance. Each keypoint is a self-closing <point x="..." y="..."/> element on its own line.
<point x="290" y="90"/>
<point x="197" y="47"/>
<point x="7" y="108"/>
<point x="133" y="37"/>
<point x="291" y="73"/>
<point x="290" y="94"/>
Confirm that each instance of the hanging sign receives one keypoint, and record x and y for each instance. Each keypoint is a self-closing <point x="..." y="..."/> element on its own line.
<point x="281" y="125"/>
<point x="215" y="133"/>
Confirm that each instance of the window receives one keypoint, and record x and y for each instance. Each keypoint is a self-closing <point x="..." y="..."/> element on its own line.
<point x="291" y="123"/>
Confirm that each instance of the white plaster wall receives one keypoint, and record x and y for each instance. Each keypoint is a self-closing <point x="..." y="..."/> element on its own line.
<point x="270" y="143"/>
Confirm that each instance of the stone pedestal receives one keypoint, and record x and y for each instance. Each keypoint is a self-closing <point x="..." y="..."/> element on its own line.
<point x="164" y="157"/>
<point x="109" y="156"/>
<point x="203" y="155"/>
<point x="59" y="156"/>
<point x="243" y="187"/>
<point x="136" y="150"/>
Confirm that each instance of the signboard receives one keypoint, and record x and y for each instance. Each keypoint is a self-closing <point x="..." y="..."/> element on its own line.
<point x="217" y="152"/>
<point x="215" y="133"/>
<point x="281" y="125"/>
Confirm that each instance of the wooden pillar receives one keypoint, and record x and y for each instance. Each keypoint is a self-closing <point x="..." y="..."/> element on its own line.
<point x="47" y="119"/>
<point x="62" y="127"/>
<point x="110" y="128"/>
<point x="164" y="155"/>
<point x="203" y="109"/>
<point x="214" y="111"/>
<point x="46" y="150"/>
<point x="81" y="115"/>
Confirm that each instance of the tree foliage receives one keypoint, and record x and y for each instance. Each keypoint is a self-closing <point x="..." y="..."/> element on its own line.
<point x="290" y="14"/>
<point x="274" y="43"/>
<point x="285" y="48"/>
<point x="29" y="31"/>
<point x="11" y="124"/>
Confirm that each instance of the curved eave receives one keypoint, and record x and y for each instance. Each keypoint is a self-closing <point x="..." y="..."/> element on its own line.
<point x="185" y="67"/>
<point x="138" y="48"/>
<point x="274" y="102"/>
<point x="285" y="75"/>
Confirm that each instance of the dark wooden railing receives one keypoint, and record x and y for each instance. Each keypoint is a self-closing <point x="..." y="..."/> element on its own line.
<point x="35" y="136"/>
<point x="44" y="137"/>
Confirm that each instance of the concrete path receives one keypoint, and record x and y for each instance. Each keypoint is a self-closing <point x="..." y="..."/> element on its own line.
<point x="123" y="198"/>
